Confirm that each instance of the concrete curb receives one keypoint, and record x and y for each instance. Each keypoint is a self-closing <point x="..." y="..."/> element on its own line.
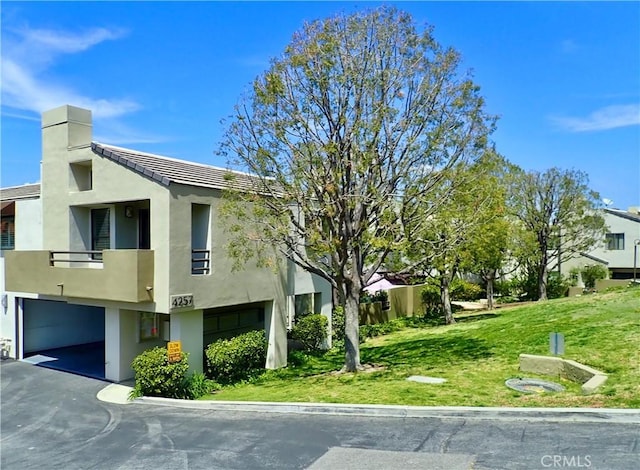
<point x="115" y="393"/>
<point x="119" y="394"/>
<point x="610" y="415"/>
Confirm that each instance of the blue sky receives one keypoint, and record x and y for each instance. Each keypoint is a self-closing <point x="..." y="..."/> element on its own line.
<point x="159" y="76"/>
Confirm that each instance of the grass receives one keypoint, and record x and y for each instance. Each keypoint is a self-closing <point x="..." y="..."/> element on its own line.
<point x="476" y="356"/>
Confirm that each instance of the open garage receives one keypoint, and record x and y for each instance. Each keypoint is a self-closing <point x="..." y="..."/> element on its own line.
<point x="227" y="322"/>
<point x="64" y="336"/>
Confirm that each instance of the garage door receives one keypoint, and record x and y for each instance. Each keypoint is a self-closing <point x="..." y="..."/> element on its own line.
<point x="64" y="336"/>
<point x="223" y="323"/>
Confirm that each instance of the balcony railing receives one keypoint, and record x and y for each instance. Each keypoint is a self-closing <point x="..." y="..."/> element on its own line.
<point x="200" y="261"/>
<point x="123" y="275"/>
<point x="92" y="256"/>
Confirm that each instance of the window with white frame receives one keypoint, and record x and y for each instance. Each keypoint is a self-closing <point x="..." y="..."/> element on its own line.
<point x="615" y="241"/>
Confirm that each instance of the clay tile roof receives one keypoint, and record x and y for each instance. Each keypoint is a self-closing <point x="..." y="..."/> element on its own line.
<point x="167" y="170"/>
<point x="26" y="191"/>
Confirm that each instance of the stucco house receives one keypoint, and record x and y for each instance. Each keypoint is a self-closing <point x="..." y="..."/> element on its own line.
<point x="130" y="253"/>
<point x="20" y="229"/>
<point x="620" y="247"/>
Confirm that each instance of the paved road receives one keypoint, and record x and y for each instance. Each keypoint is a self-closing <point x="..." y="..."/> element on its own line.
<point x="53" y="420"/>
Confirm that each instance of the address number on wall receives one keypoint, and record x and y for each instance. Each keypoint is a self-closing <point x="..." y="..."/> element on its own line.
<point x="181" y="301"/>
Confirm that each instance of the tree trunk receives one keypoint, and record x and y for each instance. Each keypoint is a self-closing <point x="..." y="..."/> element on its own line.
<point x="445" y="300"/>
<point x="491" y="276"/>
<point x="352" y="331"/>
<point x="542" y="280"/>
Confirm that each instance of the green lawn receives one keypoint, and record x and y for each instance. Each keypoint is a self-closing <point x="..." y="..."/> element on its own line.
<point x="476" y="356"/>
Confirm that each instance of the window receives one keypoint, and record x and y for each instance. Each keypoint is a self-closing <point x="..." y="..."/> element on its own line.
<point x="144" y="229"/>
<point x="615" y="241"/>
<point x="200" y="251"/>
<point x="8" y="235"/>
<point x="100" y="231"/>
<point x="303" y="304"/>
<point x="148" y="326"/>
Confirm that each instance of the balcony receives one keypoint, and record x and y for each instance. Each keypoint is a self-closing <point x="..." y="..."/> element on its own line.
<point x="121" y="275"/>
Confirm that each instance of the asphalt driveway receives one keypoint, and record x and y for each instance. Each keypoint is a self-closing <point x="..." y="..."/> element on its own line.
<point x="53" y="420"/>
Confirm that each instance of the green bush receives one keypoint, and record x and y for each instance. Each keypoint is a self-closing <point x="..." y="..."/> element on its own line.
<point x="507" y="290"/>
<point x="431" y="300"/>
<point x="461" y="289"/>
<point x="311" y="331"/>
<point x="198" y="385"/>
<point x="527" y="285"/>
<point x="155" y="376"/>
<point x="238" y="358"/>
<point x="557" y="285"/>
<point x="591" y="273"/>
<point x="379" y="329"/>
<point x="338" y="327"/>
<point x="574" y="274"/>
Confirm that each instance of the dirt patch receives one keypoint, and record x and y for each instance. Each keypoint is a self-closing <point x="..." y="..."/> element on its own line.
<point x="366" y="368"/>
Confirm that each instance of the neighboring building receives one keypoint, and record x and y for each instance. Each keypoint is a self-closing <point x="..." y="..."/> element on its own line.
<point x="620" y="247"/>
<point x="21" y="229"/>
<point x="132" y="254"/>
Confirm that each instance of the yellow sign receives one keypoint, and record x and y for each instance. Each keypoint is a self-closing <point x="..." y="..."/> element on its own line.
<point x="174" y="351"/>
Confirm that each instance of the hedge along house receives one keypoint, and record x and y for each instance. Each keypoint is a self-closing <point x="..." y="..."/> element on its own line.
<point x="133" y="255"/>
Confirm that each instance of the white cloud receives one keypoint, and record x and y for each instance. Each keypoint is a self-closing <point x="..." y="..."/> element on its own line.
<point x="116" y="133"/>
<point x="609" y="117"/>
<point x="67" y="42"/>
<point x="28" y="54"/>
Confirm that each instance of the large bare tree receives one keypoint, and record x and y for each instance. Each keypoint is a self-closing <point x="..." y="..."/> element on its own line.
<point x="353" y="123"/>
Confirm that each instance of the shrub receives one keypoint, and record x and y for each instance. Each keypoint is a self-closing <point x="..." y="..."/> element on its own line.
<point x="311" y="331"/>
<point x="379" y="329"/>
<point x="527" y="285"/>
<point x="198" y="385"/>
<point x="505" y="288"/>
<point x="155" y="376"/>
<point x="337" y="327"/>
<point x="591" y="273"/>
<point x="431" y="300"/>
<point x="574" y="274"/>
<point x="238" y="358"/>
<point x="464" y="290"/>
<point x="557" y="285"/>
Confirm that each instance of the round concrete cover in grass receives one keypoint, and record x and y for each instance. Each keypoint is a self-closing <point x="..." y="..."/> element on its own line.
<point x="533" y="385"/>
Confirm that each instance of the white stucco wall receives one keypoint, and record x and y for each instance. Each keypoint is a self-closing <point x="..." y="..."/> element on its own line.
<point x="186" y="327"/>
<point x="28" y="220"/>
<point x="122" y="343"/>
<point x="28" y="231"/>
<point x="619" y="258"/>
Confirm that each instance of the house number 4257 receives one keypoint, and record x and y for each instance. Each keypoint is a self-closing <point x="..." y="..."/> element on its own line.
<point x="180" y="301"/>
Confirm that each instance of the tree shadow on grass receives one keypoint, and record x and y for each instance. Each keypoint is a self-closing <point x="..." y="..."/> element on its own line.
<point x="475" y="317"/>
<point x="431" y="352"/>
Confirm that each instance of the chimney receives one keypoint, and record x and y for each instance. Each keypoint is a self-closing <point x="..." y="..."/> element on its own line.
<point x="66" y="127"/>
<point x="66" y="159"/>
